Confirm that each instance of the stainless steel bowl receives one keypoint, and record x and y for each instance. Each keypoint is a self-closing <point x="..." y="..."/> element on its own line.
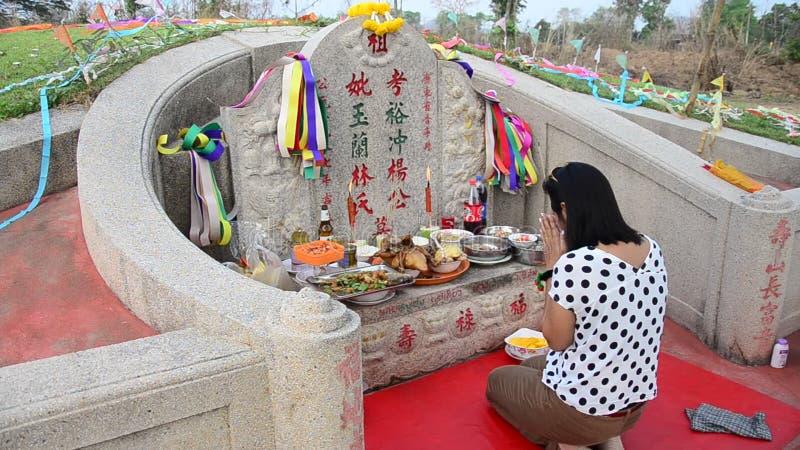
<point x="485" y="248"/>
<point x="501" y="231"/>
<point x="530" y="256"/>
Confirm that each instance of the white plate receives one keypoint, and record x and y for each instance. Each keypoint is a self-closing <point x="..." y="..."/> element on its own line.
<point x="508" y="352"/>
<point x="389" y="295"/>
<point x="489" y="263"/>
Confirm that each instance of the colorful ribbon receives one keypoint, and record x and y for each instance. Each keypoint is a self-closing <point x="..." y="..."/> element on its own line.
<point x="209" y="221"/>
<point x="509" y="142"/>
<point x="303" y="120"/>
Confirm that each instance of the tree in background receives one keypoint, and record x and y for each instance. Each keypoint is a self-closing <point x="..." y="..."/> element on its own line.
<point x="780" y="25"/>
<point x="509" y="9"/>
<point x="629" y="9"/>
<point x="32" y="11"/>
<point x="413" y="18"/>
<point x="656" y="22"/>
<point x="455" y="6"/>
<point x="604" y="27"/>
<point x="700" y="76"/>
<point x="130" y="8"/>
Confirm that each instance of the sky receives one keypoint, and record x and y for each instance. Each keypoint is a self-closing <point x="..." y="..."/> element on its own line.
<point x="535" y="10"/>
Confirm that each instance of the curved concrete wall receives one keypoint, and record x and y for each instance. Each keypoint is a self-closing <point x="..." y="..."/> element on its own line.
<point x="170" y="283"/>
<point x="302" y="338"/>
<point x="716" y="238"/>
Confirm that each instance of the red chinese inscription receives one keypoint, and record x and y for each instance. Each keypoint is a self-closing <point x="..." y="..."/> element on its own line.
<point x="377" y="43"/>
<point x="322" y="83"/>
<point x="465" y="322"/>
<point x="397" y="81"/>
<point x="780" y="234"/>
<point x="326" y="179"/>
<point x="359" y="87"/>
<point x="426" y="78"/>
<point x="407" y="337"/>
<point x="519" y="307"/>
<point x="350" y="413"/>
<point x="349" y="367"/>
<point x="772" y="288"/>
<point x="327" y="199"/>
<point x="363" y="203"/>
<point x="382" y="226"/>
<point x="397" y="170"/>
<point x="398" y="199"/>
<point x="361" y="176"/>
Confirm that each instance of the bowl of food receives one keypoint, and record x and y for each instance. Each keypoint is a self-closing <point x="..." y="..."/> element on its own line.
<point x="485" y="248"/>
<point x="500" y="231"/>
<point x="365" y="252"/>
<point x="420" y="241"/>
<point x="451" y="236"/>
<point x="525" y="240"/>
<point x="447" y="258"/>
<point x="525" y="343"/>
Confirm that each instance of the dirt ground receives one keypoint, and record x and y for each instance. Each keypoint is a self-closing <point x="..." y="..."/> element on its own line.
<point x="748" y="79"/>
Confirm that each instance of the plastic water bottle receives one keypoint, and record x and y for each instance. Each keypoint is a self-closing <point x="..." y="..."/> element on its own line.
<point x="780" y="352"/>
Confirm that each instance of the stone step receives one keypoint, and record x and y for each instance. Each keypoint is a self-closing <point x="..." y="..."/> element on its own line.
<point x="21" y="154"/>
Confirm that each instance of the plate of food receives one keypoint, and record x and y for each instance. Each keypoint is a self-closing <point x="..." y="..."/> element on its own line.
<point x="438" y="278"/>
<point x="526" y="343"/>
<point x="367" y="283"/>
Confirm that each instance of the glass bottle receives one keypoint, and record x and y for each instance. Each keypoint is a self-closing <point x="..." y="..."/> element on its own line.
<point x="325" y="227"/>
<point x="473" y="210"/>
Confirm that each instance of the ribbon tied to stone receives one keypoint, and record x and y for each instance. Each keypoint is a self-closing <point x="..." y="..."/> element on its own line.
<point x="209" y="221"/>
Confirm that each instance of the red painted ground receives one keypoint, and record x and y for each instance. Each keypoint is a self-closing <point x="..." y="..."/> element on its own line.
<point x="448" y="410"/>
<point x="52" y="300"/>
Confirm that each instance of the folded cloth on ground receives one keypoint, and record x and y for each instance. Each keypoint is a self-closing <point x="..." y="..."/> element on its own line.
<point x="711" y="419"/>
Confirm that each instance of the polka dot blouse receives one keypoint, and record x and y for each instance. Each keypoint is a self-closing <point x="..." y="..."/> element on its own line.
<point x="619" y="317"/>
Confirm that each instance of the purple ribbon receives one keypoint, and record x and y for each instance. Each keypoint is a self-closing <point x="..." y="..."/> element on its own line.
<point x="466" y="67"/>
<point x="311" y="97"/>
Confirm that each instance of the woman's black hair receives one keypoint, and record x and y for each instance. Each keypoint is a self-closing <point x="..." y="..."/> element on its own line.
<point x="593" y="215"/>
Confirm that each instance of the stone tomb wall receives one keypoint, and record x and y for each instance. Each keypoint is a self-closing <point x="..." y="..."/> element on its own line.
<point x="393" y="112"/>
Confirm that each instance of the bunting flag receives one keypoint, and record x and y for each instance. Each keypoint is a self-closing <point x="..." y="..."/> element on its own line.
<point x="99" y="14"/>
<point x="63" y="36"/>
<point x="622" y="60"/>
<point x="501" y="23"/>
<point x="597" y="54"/>
<point x="210" y="223"/>
<point x="578" y="44"/>
<point x="719" y="82"/>
<point x="509" y="144"/>
<point x="534" y="32"/>
<point x="646" y="78"/>
<point x="453" y="18"/>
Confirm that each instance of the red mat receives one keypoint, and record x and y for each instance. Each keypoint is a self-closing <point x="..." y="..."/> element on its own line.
<point x="448" y="410"/>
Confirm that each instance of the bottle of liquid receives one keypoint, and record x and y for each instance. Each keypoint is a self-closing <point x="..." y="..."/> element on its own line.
<point x="482" y="194"/>
<point x="473" y="210"/>
<point x="325" y="227"/>
<point x="780" y="353"/>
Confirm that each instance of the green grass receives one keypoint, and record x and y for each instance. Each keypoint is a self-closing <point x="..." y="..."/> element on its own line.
<point x="52" y="56"/>
<point x="748" y="123"/>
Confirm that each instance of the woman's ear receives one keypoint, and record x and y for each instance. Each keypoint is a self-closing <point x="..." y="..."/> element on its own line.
<point x="564" y="212"/>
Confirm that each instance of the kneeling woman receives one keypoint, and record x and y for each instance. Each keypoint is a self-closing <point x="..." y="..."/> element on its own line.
<point x="603" y="318"/>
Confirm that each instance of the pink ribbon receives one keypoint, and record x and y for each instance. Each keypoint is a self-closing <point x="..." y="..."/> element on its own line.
<point x="502" y="70"/>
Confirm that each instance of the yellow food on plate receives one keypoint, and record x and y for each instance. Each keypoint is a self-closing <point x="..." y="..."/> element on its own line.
<point x="528" y="342"/>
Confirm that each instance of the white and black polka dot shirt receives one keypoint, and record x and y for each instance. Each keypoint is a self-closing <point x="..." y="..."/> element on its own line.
<point x="619" y="317"/>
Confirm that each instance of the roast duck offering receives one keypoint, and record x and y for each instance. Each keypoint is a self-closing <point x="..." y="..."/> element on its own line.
<point x="404" y="255"/>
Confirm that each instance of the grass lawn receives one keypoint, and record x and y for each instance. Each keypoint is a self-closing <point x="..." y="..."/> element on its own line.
<point x="748" y="123"/>
<point x="28" y="54"/>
